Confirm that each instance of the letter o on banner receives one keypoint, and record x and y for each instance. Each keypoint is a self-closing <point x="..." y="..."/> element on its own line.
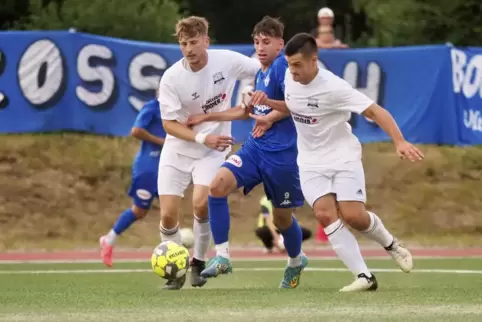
<point x="41" y="72"/>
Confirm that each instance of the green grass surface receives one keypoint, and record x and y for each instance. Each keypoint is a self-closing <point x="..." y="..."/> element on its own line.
<point x="89" y="292"/>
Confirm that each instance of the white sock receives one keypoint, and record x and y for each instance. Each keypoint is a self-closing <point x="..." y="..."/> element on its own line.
<point x="295" y="261"/>
<point x="223" y="250"/>
<point x="110" y="237"/>
<point x="346" y="248"/>
<point x="172" y="234"/>
<point x="202" y="237"/>
<point x="377" y="231"/>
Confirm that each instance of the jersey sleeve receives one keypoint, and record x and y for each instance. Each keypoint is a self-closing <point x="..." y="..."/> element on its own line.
<point x="169" y="102"/>
<point x="345" y="98"/>
<point x="280" y="71"/>
<point x="144" y="118"/>
<point x="244" y="67"/>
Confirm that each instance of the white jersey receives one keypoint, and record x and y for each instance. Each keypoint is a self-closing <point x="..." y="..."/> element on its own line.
<point x="321" y="111"/>
<point x="183" y="92"/>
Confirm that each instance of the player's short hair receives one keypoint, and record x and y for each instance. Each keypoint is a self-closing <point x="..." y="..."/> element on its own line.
<point x="269" y="26"/>
<point x="191" y="27"/>
<point x="302" y="43"/>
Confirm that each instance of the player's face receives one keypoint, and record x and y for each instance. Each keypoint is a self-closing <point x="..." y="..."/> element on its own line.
<point x="267" y="48"/>
<point x="194" y="48"/>
<point x="302" y="67"/>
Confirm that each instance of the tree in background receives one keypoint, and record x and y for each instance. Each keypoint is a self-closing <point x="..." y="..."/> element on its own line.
<point x="147" y="20"/>
<point x="232" y="21"/>
<point x="409" y="22"/>
<point x="364" y="22"/>
<point x="12" y="10"/>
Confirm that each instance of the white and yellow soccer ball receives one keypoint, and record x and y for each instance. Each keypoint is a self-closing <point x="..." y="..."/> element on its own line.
<point x="170" y="260"/>
<point x="187" y="237"/>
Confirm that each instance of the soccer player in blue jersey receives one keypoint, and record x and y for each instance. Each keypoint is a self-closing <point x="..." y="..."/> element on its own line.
<point x="268" y="156"/>
<point x="149" y="130"/>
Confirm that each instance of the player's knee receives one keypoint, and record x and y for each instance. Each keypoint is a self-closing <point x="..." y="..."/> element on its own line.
<point x="140" y="213"/>
<point x="223" y="184"/>
<point x="325" y="215"/>
<point x="355" y="215"/>
<point x="282" y="218"/>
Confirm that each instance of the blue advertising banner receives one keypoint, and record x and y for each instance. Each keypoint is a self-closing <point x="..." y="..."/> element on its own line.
<point x="62" y="81"/>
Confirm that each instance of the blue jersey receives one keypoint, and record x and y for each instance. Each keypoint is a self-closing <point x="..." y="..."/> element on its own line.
<point x="149" y="119"/>
<point x="282" y="135"/>
<point x="270" y="159"/>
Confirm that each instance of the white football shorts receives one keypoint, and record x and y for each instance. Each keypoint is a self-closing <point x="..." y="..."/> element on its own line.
<point x="176" y="171"/>
<point x="346" y="181"/>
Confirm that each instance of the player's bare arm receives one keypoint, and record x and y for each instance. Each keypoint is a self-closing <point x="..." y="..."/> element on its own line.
<point x="181" y="131"/>
<point x="384" y="119"/>
<point x="234" y="113"/>
<point x="144" y="135"/>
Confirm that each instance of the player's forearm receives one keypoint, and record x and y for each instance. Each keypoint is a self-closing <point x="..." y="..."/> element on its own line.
<point x="234" y="113"/>
<point x="179" y="130"/>
<point x="275" y="116"/>
<point x="279" y="106"/>
<point x="144" y="135"/>
<point x="385" y="120"/>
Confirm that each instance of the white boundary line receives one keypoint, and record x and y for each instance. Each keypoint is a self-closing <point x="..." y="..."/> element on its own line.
<point x="243" y="259"/>
<point x="260" y="269"/>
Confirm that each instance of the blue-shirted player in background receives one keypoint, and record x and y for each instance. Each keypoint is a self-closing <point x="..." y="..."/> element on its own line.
<point x="148" y="129"/>
<point x="268" y="156"/>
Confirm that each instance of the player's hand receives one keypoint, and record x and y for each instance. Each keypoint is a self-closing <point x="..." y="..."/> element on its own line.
<point x="261" y="125"/>
<point x="257" y="98"/>
<point x="406" y="150"/>
<point x="196" y="119"/>
<point x="218" y="142"/>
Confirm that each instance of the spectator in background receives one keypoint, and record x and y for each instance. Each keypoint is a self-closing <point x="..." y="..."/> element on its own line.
<point x="326" y="17"/>
<point x="325" y="33"/>
<point x="326" y="38"/>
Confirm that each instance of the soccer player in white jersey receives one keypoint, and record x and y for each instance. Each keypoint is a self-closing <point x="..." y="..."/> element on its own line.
<point x="329" y="157"/>
<point x="201" y="82"/>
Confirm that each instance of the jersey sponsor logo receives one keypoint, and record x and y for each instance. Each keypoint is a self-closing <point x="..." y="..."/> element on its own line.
<point x="212" y="102"/>
<point x="304" y="119"/>
<point x="195" y="96"/>
<point x="143" y="194"/>
<point x="262" y="109"/>
<point x="218" y="78"/>
<point x="235" y="160"/>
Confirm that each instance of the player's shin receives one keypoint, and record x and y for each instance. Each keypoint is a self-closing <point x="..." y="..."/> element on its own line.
<point x="219" y="221"/>
<point x="202" y="237"/>
<point x="292" y="237"/>
<point x="125" y="220"/>
<point x="346" y="248"/>
<point x="377" y="232"/>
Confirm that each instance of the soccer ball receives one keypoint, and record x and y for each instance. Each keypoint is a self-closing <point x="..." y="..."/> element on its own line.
<point x="187" y="237"/>
<point x="170" y="260"/>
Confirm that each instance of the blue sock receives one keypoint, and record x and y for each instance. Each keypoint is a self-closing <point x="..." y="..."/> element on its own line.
<point x="124" y="221"/>
<point x="293" y="237"/>
<point x="219" y="219"/>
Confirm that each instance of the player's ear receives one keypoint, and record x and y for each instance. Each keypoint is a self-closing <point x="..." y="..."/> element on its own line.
<point x="314" y="59"/>
<point x="208" y="41"/>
